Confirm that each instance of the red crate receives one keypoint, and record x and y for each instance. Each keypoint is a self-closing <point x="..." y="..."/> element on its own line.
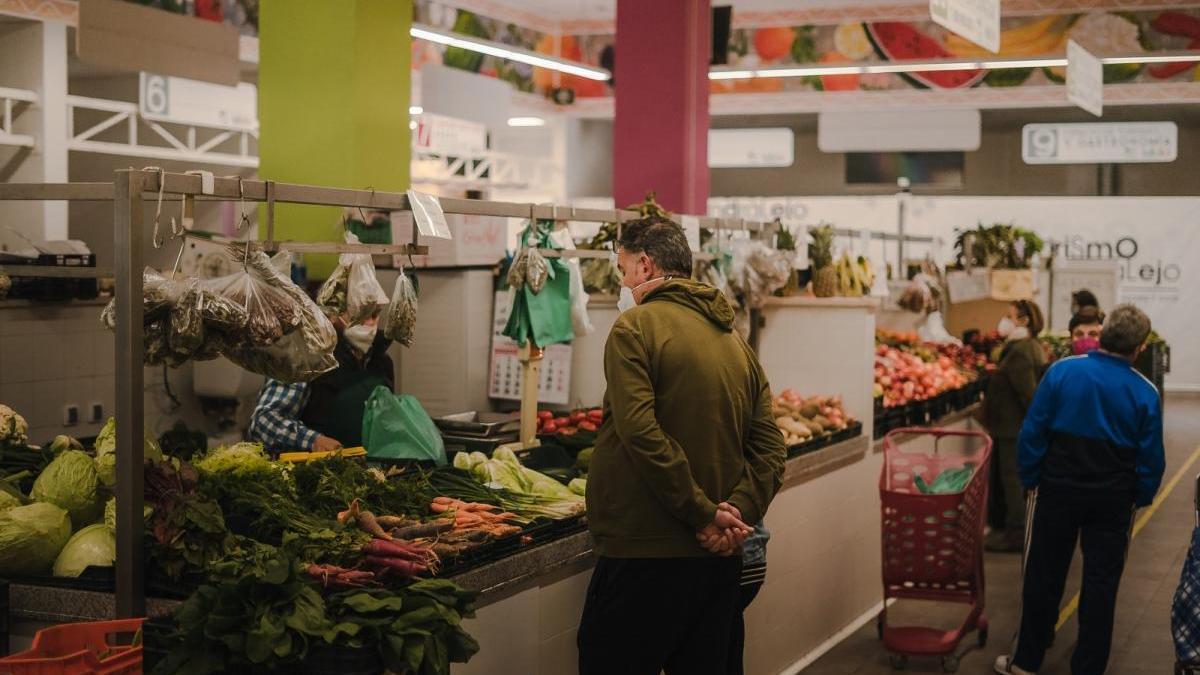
<point x="79" y="649"/>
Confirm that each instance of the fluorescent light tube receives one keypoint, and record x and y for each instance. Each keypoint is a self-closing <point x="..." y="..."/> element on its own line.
<point x="526" y="122"/>
<point x="450" y="39"/>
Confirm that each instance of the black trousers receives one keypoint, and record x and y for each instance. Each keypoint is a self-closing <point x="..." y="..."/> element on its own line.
<point x="1100" y="522"/>
<point x="644" y="616"/>
<point x="737" y="640"/>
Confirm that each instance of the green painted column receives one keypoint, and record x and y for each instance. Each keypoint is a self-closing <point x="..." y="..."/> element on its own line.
<point x="334" y="82"/>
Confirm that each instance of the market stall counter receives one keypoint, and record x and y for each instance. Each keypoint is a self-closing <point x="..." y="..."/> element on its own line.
<point x="530" y="600"/>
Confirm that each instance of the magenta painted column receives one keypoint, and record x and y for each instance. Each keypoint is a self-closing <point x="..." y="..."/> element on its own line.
<point x="660" y="138"/>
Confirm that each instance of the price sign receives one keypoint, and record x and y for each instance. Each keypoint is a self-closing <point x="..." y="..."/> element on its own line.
<point x="1085" y="79"/>
<point x="1100" y="142"/>
<point x="427" y="211"/>
<point x="976" y="20"/>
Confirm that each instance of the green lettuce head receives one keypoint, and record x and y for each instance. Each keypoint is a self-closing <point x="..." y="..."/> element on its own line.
<point x="31" y="537"/>
<point x="70" y="483"/>
<point x="93" y="546"/>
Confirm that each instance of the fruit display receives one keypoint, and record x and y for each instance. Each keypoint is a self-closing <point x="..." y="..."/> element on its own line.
<point x="820" y="252"/>
<point x="914" y="374"/>
<point x="855" y="275"/>
<point x="569" y="424"/>
<point x="803" y="419"/>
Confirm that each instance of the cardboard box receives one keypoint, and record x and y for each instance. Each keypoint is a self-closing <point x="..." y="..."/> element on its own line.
<point x="1013" y="285"/>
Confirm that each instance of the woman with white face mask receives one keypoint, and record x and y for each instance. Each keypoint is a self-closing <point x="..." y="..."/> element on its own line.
<point x="1009" y="394"/>
<point x="326" y="414"/>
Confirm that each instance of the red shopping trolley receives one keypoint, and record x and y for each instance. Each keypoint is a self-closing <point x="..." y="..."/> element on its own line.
<point x="933" y="543"/>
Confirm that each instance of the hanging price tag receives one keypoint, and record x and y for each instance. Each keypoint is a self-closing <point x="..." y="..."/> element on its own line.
<point x="691" y="228"/>
<point x="976" y="20"/>
<point x="1085" y="79"/>
<point x="427" y="211"/>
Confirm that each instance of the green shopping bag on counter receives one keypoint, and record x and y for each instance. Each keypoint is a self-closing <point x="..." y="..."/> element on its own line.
<point x="397" y="427"/>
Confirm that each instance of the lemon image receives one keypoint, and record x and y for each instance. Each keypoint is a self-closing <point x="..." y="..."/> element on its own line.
<point x="851" y="41"/>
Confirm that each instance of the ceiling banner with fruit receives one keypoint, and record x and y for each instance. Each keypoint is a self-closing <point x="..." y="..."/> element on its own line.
<point x="1102" y="33"/>
<point x="1031" y="35"/>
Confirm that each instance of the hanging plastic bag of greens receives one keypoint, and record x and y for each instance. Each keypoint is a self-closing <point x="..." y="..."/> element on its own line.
<point x="299" y="356"/>
<point x="399" y="322"/>
<point x="580" y="320"/>
<point x="397" y="427"/>
<point x="257" y="289"/>
<point x="352" y="290"/>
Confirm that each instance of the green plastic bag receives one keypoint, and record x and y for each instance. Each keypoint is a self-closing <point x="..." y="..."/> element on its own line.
<point x="544" y="317"/>
<point x="947" y="482"/>
<point x="397" y="427"/>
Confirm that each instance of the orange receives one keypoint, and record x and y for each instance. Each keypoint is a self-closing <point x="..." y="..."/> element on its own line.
<point x="838" y="82"/>
<point x="772" y="44"/>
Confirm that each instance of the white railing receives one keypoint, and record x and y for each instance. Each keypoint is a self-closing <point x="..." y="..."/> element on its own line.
<point x="10" y="99"/>
<point x="183" y="146"/>
<point x="485" y="170"/>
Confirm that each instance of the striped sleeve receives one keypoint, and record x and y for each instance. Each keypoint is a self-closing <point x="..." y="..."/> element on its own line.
<point x="276" y="418"/>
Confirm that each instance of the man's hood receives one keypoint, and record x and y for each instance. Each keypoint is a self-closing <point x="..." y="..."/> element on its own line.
<point x="700" y="297"/>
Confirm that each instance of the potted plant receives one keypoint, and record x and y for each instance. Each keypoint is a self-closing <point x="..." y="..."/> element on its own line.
<point x="820" y="252"/>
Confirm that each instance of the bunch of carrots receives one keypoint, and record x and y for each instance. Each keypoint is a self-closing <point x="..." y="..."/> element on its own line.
<point x="476" y="516"/>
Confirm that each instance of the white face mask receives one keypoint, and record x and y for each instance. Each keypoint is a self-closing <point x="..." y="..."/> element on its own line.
<point x="1005" y="327"/>
<point x="626" y="301"/>
<point x="360" y="337"/>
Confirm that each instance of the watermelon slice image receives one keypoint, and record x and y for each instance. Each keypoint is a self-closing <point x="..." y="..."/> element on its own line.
<point x="897" y="41"/>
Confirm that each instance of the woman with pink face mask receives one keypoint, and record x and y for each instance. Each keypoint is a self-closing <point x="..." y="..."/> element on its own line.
<point x="1085" y="330"/>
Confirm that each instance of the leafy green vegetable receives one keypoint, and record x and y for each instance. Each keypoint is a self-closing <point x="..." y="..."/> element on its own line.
<point x="187" y="531"/>
<point x="578" y="486"/>
<point x="237" y="458"/>
<point x="94" y="545"/>
<point x="325" y="487"/>
<point x="106" y="452"/>
<point x="7" y="501"/>
<point x="70" y="483"/>
<point x="31" y="537"/>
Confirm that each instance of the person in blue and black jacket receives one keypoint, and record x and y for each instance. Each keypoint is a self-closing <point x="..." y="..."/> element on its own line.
<point x="1090" y="453"/>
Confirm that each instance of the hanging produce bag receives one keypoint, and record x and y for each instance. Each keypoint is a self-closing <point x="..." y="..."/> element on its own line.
<point x="258" y="289"/>
<point x="301" y="355"/>
<point x="580" y="320"/>
<point x="399" y="322"/>
<point x="543" y="315"/>
<point x="397" y="427"/>
<point x="352" y="290"/>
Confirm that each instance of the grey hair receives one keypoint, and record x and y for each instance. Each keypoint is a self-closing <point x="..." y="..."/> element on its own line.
<point x="662" y="240"/>
<point x="1125" y="329"/>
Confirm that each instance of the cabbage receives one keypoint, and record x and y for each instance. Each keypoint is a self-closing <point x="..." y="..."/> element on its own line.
<point x="70" y="483"/>
<point x="7" y="501"/>
<point x="241" y="458"/>
<point x="110" y="512"/>
<point x="106" y="452"/>
<point x="578" y="486"/>
<point x="94" y="545"/>
<point x="31" y="537"/>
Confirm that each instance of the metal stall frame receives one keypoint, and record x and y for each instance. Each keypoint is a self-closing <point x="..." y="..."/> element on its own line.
<point x="128" y="192"/>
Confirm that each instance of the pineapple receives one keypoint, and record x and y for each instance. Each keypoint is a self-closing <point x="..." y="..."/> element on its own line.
<point x="820" y="251"/>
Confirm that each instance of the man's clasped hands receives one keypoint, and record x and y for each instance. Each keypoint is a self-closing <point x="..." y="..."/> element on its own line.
<point x="726" y="533"/>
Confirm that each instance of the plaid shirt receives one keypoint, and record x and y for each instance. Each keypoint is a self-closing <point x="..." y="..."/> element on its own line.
<point x="276" y="418"/>
<point x="1185" y="610"/>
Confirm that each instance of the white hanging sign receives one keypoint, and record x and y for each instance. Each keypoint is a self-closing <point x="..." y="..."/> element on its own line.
<point x="178" y="100"/>
<point x="1100" y="142"/>
<point x="427" y="211"/>
<point x="449" y="136"/>
<point x="1085" y="79"/>
<point x="976" y="20"/>
<point x="691" y="228"/>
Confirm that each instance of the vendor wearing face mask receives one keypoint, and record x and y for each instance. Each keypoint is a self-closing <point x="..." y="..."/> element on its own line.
<point x="326" y="414"/>
<point x="1009" y="393"/>
<point x="1085" y="330"/>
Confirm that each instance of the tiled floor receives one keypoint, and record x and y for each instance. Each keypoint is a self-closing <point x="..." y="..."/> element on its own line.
<point x="1142" y="638"/>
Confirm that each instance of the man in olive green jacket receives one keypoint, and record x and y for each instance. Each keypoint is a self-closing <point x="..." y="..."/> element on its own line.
<point x="687" y="455"/>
